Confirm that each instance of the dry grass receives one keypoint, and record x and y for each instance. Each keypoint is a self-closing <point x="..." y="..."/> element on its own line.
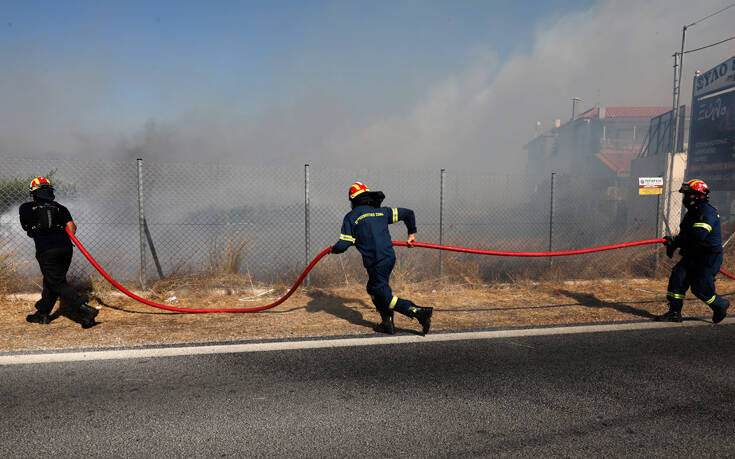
<point x="343" y="310"/>
<point x="10" y="281"/>
<point x="7" y="272"/>
<point x="475" y="293"/>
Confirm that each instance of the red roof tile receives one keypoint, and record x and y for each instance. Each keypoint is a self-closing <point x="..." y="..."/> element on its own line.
<point x="634" y="112"/>
<point x="619" y="161"/>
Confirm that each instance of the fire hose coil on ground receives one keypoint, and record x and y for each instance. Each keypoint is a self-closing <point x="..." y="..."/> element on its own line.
<point x="326" y="251"/>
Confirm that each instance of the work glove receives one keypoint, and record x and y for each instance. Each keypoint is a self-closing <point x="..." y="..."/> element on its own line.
<point x="671" y="244"/>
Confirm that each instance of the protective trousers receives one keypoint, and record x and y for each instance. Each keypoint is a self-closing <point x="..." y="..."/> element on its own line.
<point x="378" y="287"/>
<point x="54" y="264"/>
<point x="697" y="272"/>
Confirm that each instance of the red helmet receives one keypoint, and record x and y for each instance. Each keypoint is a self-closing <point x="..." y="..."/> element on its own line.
<point x="694" y="186"/>
<point x="38" y="183"/>
<point x="357" y="188"/>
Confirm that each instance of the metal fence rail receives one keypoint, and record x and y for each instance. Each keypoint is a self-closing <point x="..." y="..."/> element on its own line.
<point x="190" y="214"/>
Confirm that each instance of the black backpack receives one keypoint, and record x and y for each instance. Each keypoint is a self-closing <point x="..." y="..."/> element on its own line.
<point x="47" y="215"/>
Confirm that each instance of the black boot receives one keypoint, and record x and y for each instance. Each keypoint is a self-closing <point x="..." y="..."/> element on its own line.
<point x="423" y="314"/>
<point x="38" y="318"/>
<point x="87" y="314"/>
<point x="386" y="326"/>
<point x="720" y="312"/>
<point x="673" y="315"/>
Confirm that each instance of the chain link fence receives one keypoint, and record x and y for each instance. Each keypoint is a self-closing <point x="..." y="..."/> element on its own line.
<point x="268" y="222"/>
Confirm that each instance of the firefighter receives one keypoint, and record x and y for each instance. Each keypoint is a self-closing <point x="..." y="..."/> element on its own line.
<point x="45" y="220"/>
<point x="366" y="226"/>
<point x="700" y="244"/>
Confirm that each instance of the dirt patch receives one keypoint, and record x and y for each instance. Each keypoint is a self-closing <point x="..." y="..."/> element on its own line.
<point x="313" y="312"/>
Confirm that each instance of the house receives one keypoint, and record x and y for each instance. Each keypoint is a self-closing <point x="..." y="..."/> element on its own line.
<point x="599" y="142"/>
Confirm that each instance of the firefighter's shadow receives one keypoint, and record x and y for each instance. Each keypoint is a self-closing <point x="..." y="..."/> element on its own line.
<point x="591" y="301"/>
<point x="335" y="305"/>
<point x="64" y="310"/>
<point x="102" y="302"/>
<point x="321" y="301"/>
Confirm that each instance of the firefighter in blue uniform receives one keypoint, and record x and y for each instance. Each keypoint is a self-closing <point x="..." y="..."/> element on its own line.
<point x="700" y="244"/>
<point x="366" y="226"/>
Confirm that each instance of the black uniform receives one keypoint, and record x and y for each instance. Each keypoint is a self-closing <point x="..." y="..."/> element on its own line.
<point x="45" y="222"/>
<point x="700" y="242"/>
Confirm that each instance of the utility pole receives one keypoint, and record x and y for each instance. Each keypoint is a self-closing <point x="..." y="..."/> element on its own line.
<point x="678" y="68"/>
<point x="677" y="93"/>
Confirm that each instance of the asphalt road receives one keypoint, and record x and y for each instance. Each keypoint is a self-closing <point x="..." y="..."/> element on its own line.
<point x="666" y="392"/>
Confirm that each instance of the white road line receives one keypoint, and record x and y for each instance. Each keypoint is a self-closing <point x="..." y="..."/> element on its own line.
<point x="77" y="356"/>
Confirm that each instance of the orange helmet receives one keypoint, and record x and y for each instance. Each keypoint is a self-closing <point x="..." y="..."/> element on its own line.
<point x="356" y="189"/>
<point x="40" y="182"/>
<point x="696" y="186"/>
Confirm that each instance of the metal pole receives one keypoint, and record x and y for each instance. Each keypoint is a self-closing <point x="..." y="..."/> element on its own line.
<point x="675" y="120"/>
<point x="658" y="223"/>
<point x="551" y="217"/>
<point x="307" y="221"/>
<point x="152" y="246"/>
<point x="678" y="89"/>
<point x="672" y="133"/>
<point x="574" y="101"/>
<point x="670" y="167"/>
<point x="141" y="222"/>
<point x="441" y="221"/>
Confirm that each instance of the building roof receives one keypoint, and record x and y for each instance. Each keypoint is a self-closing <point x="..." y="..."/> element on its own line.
<point x="610" y="114"/>
<point x="593" y="112"/>
<point x="618" y="161"/>
<point x="634" y="112"/>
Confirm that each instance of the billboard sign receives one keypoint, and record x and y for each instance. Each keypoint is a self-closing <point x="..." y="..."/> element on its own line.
<point x="712" y="128"/>
<point x="715" y="79"/>
<point x="712" y="145"/>
<point x="659" y="133"/>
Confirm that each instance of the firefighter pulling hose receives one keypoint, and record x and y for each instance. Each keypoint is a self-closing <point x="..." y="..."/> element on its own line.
<point x="700" y="244"/>
<point x="45" y="220"/>
<point x="366" y="226"/>
<point x="404" y="216"/>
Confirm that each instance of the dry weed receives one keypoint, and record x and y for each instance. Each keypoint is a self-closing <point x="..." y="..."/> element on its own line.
<point x="7" y="272"/>
<point x="99" y="288"/>
<point x="229" y="258"/>
<point x="11" y="279"/>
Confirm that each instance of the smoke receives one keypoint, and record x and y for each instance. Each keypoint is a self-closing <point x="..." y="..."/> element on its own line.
<point x="480" y="116"/>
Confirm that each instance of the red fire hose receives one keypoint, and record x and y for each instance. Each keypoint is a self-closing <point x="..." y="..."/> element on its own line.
<point x="328" y="249"/>
<point x="559" y="253"/>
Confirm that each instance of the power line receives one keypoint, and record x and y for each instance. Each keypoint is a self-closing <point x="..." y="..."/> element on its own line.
<point x="709" y="46"/>
<point x="709" y="16"/>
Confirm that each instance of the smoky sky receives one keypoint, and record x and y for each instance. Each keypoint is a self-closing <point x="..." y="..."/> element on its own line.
<point x="479" y="116"/>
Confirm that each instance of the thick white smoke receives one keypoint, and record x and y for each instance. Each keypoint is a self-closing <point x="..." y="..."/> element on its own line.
<point x="616" y="53"/>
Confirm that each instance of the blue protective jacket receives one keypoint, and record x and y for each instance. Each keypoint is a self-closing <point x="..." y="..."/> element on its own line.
<point x="700" y="232"/>
<point x="367" y="228"/>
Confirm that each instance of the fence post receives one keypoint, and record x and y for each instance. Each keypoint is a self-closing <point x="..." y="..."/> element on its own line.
<point x="658" y="223"/>
<point x="152" y="246"/>
<point x="443" y="175"/>
<point x="307" y="222"/>
<point x="551" y="217"/>
<point x="141" y="222"/>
